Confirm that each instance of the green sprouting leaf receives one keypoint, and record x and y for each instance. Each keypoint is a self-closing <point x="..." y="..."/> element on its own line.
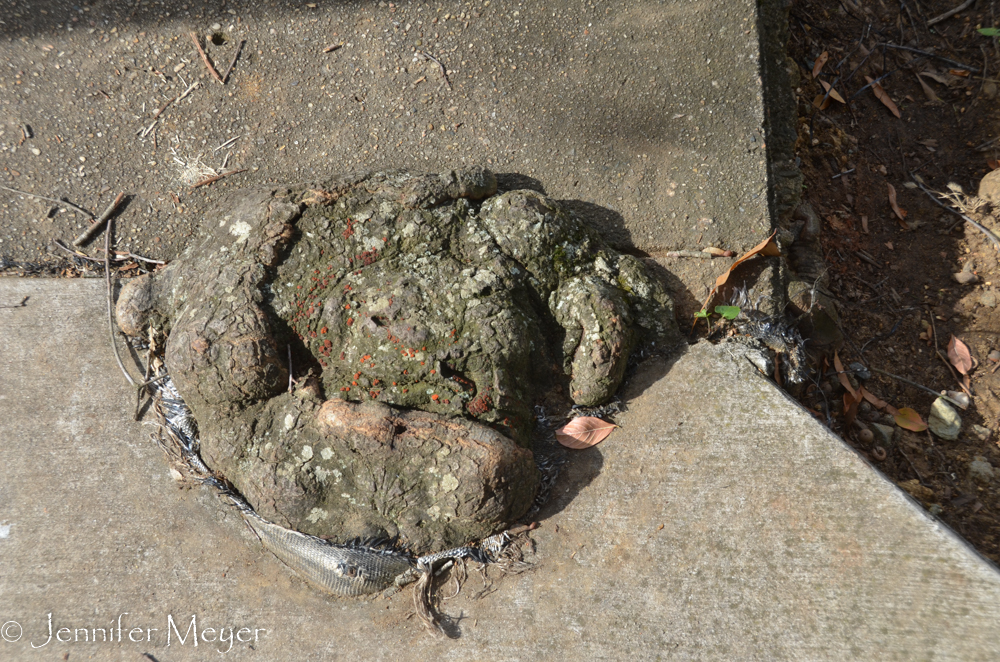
<point x="701" y="313"/>
<point x="990" y="32"/>
<point x="728" y="312"/>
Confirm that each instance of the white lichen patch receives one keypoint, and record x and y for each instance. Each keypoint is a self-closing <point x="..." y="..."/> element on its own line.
<point x="326" y="453"/>
<point x="434" y="513"/>
<point x="307" y="453"/>
<point x="449" y="483"/>
<point x="289" y="421"/>
<point x="240" y="230"/>
<point x="317" y="514"/>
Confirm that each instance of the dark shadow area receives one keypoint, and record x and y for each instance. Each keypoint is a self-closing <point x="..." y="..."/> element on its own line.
<point x="515" y="181"/>
<point x="47" y="17"/>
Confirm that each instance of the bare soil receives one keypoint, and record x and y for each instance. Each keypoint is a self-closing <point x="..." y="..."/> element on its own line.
<point x="892" y="279"/>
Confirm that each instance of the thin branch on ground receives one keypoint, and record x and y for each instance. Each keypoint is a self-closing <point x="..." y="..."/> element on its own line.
<point x="915" y="385"/>
<point x="989" y="234"/>
<point x="58" y="202"/>
<point x="111" y="313"/>
<point x="948" y="14"/>
<point x="232" y="64"/>
<point x="204" y="58"/>
<point x="97" y="225"/>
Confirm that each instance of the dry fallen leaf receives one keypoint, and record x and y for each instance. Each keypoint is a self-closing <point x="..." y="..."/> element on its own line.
<point x="928" y="91"/>
<point x="900" y="213"/>
<point x="933" y="75"/>
<point x="851" y="405"/>
<point x="959" y="72"/>
<point x="822" y="101"/>
<point x="820" y="61"/>
<point x="908" y="419"/>
<point x="883" y="96"/>
<point x="584" y="432"/>
<point x="993" y="164"/>
<point x="852" y="398"/>
<point x="958" y="354"/>
<point x="834" y="94"/>
<point x="767" y="248"/>
<point x="878" y="402"/>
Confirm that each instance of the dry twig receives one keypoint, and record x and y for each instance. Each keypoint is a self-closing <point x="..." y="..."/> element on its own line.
<point x="111" y="314"/>
<point x="96" y="226"/>
<point x="216" y="178"/>
<point x="989" y="235"/>
<point x="58" y="202"/>
<point x="948" y="14"/>
<point x="208" y="63"/>
<point x="232" y="64"/>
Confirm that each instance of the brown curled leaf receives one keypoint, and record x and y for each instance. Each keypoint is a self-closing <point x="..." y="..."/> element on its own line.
<point x="834" y="94"/>
<point x="584" y="432"/>
<point x="768" y="248"/>
<point x="928" y="90"/>
<point x="900" y="213"/>
<point x="878" y="402"/>
<point x="958" y="354"/>
<point x="820" y="61"/>
<point x="842" y="376"/>
<point x="883" y="96"/>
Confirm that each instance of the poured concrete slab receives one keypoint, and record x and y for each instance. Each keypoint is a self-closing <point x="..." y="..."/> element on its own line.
<point x="646" y="117"/>
<point x="720" y="522"/>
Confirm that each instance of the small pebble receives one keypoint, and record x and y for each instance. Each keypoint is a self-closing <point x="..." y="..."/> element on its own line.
<point x="36" y="151"/>
<point x="994" y="356"/>
<point x="980" y="470"/>
<point x="944" y="421"/>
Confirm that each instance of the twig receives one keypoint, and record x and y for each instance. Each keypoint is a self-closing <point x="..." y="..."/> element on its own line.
<point x="911" y="464"/>
<point x="950" y="13"/>
<point x="187" y="91"/>
<point x="59" y="202"/>
<point x="232" y="64"/>
<point x="914" y="384"/>
<point x="989" y="235"/>
<point x="896" y="47"/>
<point x="841" y="174"/>
<point x="444" y="72"/>
<point x="111" y="314"/>
<point x="144" y="259"/>
<point x="216" y="178"/>
<point x="66" y="248"/>
<point x="18" y="305"/>
<point x="145" y="132"/>
<point x="226" y="144"/>
<point x="953" y="373"/>
<point x="208" y="63"/>
<point x="335" y="47"/>
<point x="96" y="226"/>
<point x="163" y="107"/>
<point x="699" y="254"/>
<point x="291" y="379"/>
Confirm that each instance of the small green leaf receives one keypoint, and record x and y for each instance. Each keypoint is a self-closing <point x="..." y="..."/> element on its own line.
<point x="990" y="32"/>
<point x="728" y="312"/>
<point x="701" y="313"/>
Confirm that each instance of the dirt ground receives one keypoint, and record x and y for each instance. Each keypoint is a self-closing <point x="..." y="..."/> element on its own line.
<point x="894" y="281"/>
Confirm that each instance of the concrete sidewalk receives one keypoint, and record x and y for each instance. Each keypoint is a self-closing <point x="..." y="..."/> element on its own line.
<point x="721" y="522"/>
